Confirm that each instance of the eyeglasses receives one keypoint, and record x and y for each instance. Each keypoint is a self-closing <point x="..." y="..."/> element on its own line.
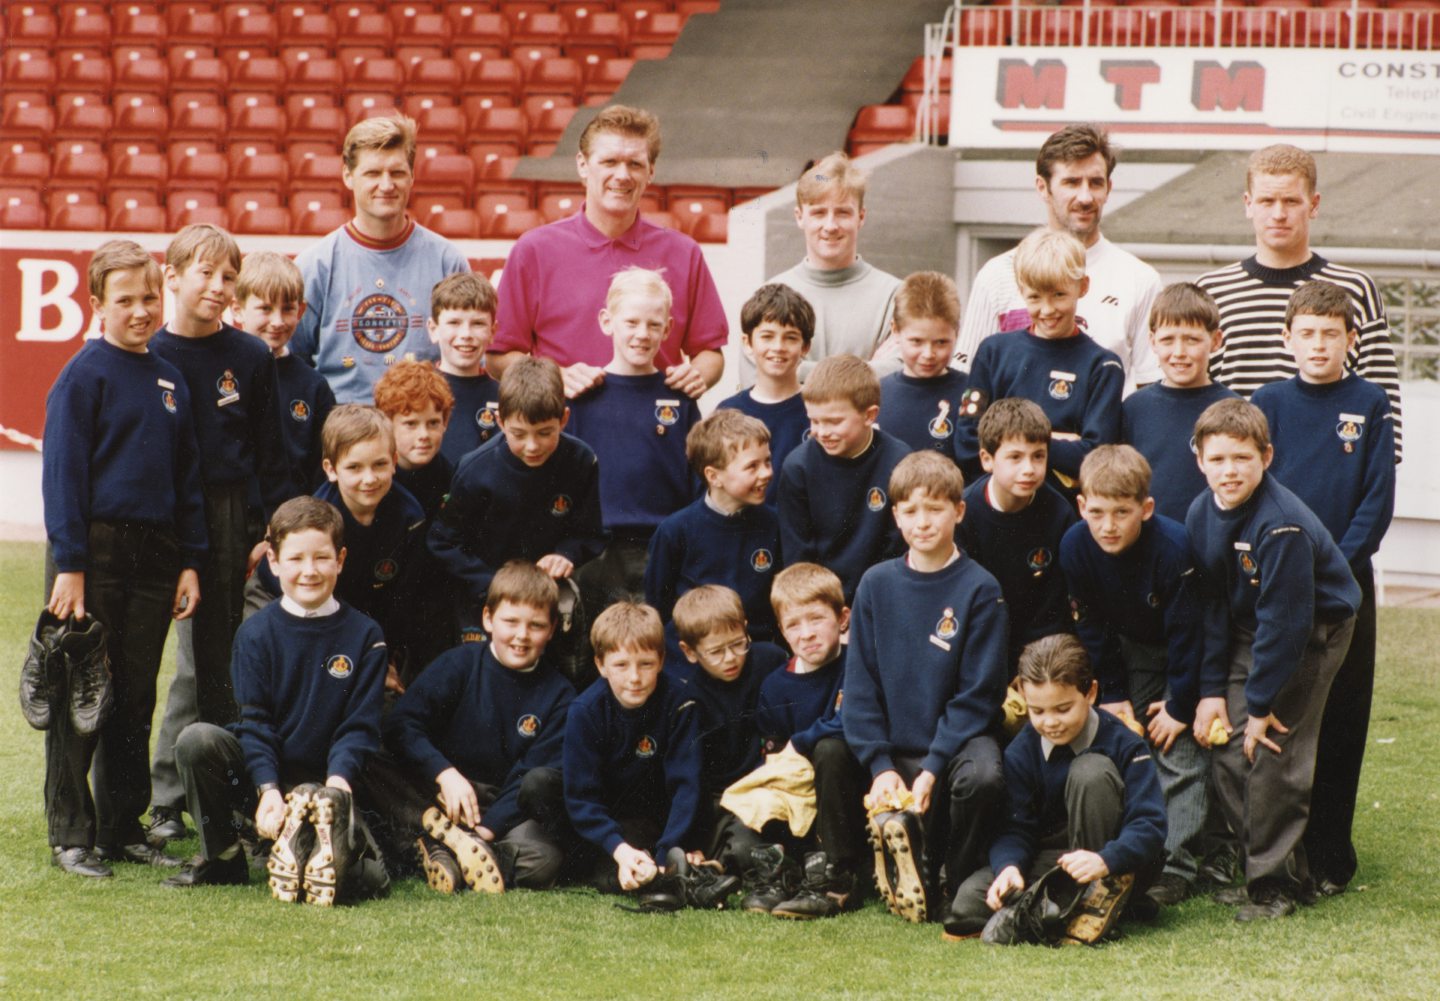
<point x="739" y="648"/>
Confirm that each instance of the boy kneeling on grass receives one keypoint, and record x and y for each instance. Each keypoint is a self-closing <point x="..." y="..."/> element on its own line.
<point x="309" y="674"/>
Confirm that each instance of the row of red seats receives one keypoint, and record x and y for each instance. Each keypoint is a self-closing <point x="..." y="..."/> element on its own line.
<point x="1287" y="4"/>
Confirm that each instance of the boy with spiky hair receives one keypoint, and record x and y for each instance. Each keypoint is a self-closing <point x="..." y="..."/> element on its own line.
<point x="777" y="325"/>
<point x="922" y="401"/>
<point x="125" y="523"/>
<point x="462" y="321"/>
<point x="832" y="489"/>
<point x="309" y="671"/>
<point x="1334" y="439"/>
<point x="1280" y="602"/>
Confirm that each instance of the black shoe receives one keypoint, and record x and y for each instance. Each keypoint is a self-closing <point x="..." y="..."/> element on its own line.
<point x="478" y="862"/>
<point x="825" y="892"/>
<point x="904" y="840"/>
<point x="292" y="846"/>
<point x="329" y="861"/>
<point x="201" y="871"/>
<point x="141" y="853"/>
<point x="1231" y="896"/>
<point x="165" y="825"/>
<point x="665" y="893"/>
<point x="80" y="861"/>
<point x="1170" y="889"/>
<point x="706" y="886"/>
<point x="1220" y="868"/>
<point x="1327" y="887"/>
<point x="1266" y="904"/>
<point x="42" y="677"/>
<point x="772" y="879"/>
<point x="92" y="694"/>
<point x="442" y="871"/>
<point x="1040" y="913"/>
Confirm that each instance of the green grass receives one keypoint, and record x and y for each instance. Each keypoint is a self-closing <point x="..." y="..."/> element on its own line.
<point x="65" y="937"/>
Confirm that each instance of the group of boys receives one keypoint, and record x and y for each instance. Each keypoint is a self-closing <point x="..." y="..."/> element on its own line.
<point x="939" y="551"/>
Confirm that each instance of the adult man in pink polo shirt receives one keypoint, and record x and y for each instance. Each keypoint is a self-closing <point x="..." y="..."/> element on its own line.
<point x="555" y="278"/>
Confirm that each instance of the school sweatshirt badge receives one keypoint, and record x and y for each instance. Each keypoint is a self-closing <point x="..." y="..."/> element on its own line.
<point x="667" y="412"/>
<point x="560" y="506"/>
<point x="940" y="426"/>
<point x="340" y="666"/>
<point x="948" y="626"/>
<point x="761" y="560"/>
<point x="299" y="410"/>
<point x="1248" y="565"/>
<point x="528" y="725"/>
<point x="167" y="398"/>
<point x="1062" y="384"/>
<point x="1039" y="560"/>
<point x="386" y="569"/>
<point x="875" y="499"/>
<point x="1349" y="430"/>
<point x="228" y="387"/>
<point x="486" y="418"/>
<point x="645" y="747"/>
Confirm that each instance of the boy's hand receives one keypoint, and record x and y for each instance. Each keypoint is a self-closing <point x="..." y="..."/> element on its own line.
<point x="256" y="555"/>
<point x="187" y="595"/>
<point x="887" y="783"/>
<point x="1207" y="710"/>
<point x="1164" y="728"/>
<point x="458" y="795"/>
<point x="580" y="377"/>
<point x="555" y="565"/>
<point x="686" y="378"/>
<point x="924" y="783"/>
<point x="1009" y="881"/>
<point x="1064" y="436"/>
<point x="1119" y="709"/>
<point x="1083" y="867"/>
<point x="67" y="597"/>
<point x="1255" y="729"/>
<point x="270" y="814"/>
<point x="633" y="867"/>
<point x="392" y="679"/>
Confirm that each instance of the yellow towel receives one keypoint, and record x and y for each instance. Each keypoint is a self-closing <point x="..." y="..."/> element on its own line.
<point x="783" y="788"/>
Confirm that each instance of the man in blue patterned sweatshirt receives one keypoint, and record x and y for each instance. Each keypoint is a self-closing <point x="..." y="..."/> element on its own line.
<point x="1280" y="603"/>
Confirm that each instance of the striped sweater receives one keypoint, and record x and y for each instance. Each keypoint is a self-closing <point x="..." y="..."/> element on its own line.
<point x="1252" y="300"/>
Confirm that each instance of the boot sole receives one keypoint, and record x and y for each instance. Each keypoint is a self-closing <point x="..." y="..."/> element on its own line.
<point x="322" y="876"/>
<point x="440" y="877"/>
<point x="1100" y="909"/>
<point x="285" y="865"/>
<point x="909" y="889"/>
<point x="477" y="861"/>
<point x="883" y="884"/>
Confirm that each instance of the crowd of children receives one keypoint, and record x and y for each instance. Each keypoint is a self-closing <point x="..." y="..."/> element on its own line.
<point x="1041" y="646"/>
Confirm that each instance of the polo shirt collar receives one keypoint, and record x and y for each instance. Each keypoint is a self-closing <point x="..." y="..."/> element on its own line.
<point x="1081" y="743"/>
<point x="594" y="239"/>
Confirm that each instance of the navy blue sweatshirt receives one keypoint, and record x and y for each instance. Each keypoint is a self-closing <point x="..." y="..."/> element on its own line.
<point x="699" y="545"/>
<point x="306" y="399"/>
<point x="1270" y="567"/>
<point x="236" y="403"/>
<point x="470" y="712"/>
<point x="309" y="691"/>
<point x="926" y="668"/>
<point x="836" y="512"/>
<point x="1035" y="799"/>
<point x="1160" y="422"/>
<point x="501" y="509"/>
<point x="1335" y="449"/>
<point x="789" y="426"/>
<point x="801" y="709"/>
<point x="922" y="412"/>
<point x="637" y="426"/>
<point x="728" y="726"/>
<point x="1149" y="594"/>
<point x="120" y="446"/>
<point x="1022" y="550"/>
<point x="1074" y="380"/>
<point x="629" y="763"/>
<point x="428" y="484"/>
<point x="476" y="417"/>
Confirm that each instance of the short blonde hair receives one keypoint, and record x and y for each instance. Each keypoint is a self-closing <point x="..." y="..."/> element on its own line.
<point x="720" y="437"/>
<point x="463" y="290"/>
<point x="1282" y="158"/>
<point x="348" y="425"/>
<point x="705" y="609"/>
<point x="637" y="282"/>
<point x="623" y="120"/>
<point x="803" y="583"/>
<point x="271" y="276"/>
<point x="843" y="377"/>
<point x="1115" y="471"/>
<point x="831" y="173"/>
<point x="386" y="133"/>
<point x="1048" y="259"/>
<point x="927" y="295"/>
<point x="930" y="471"/>
<point x="407" y="387"/>
<point x="121" y="255"/>
<point x="200" y="241"/>
<point x="627" y="625"/>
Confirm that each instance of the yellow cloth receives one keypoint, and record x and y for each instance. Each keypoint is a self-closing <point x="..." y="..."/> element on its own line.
<point x="1016" y="712"/>
<point x="783" y="788"/>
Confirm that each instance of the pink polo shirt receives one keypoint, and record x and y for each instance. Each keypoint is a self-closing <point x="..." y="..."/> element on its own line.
<point x="554" y="282"/>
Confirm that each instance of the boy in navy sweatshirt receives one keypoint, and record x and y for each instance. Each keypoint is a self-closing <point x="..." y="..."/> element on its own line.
<point x="125" y="522"/>
<point x="1081" y="793"/>
<point x="777" y="325"/>
<point x="1054" y="363"/>
<point x="1136" y="602"/>
<point x="269" y="301"/>
<point x="1333" y="438"/>
<point x="924" y="682"/>
<point x="309" y="672"/>
<point x="483" y="725"/>
<point x="1158" y="419"/>
<point x="633" y="756"/>
<point x="1015" y="520"/>
<point x="921" y="401"/>
<point x="461" y="323"/>
<point x="1280" y="603"/>
<point x="637" y="426"/>
<point x="236" y="405"/>
<point x="832" y="488"/>
<point x="532" y="494"/>
<point x="729" y="536"/>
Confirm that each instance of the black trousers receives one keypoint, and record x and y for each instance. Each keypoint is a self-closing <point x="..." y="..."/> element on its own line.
<point x="964" y="810"/>
<point x="130" y="588"/>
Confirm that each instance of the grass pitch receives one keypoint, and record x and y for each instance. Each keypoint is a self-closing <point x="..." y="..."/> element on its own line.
<point x="65" y="937"/>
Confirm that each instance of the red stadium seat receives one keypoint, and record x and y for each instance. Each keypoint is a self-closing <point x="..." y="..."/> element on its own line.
<point x="315" y="170"/>
<point x="914" y="82"/>
<point x="604" y="78"/>
<point x="249" y="26"/>
<point x="664" y="220"/>
<point x="180" y="199"/>
<point x="546" y="130"/>
<point x="77" y="217"/>
<point x="86" y="25"/>
<point x="258" y="123"/>
<point x="367" y="105"/>
<point x="520" y="11"/>
<point x="20" y="196"/>
<point x="714" y="227"/>
<point x="559" y="77"/>
<point x="28" y="121"/>
<point x="652" y="37"/>
<point x="135" y="25"/>
<point x="604" y="35"/>
<point x="456" y="224"/>
<point x="214" y="215"/>
<point x="984" y="27"/>
<point x="141" y="117"/>
<point x="442" y="125"/>
<point x="444" y="175"/>
<point x="640" y="10"/>
<point x="495" y="78"/>
<point x="689" y="7"/>
<point x="127" y="218"/>
<point x="199" y="121"/>
<point x="318" y="124"/>
<point x="137" y="175"/>
<point x="87" y="171"/>
<point x="191" y="168"/>
<point x="21" y="216"/>
<point x="315" y="76"/>
<point x="377" y="75"/>
<point x="271" y="220"/>
<point x="27" y="69"/>
<point x="150" y="76"/>
<point x="307" y="25"/>
<point x="29" y="170"/>
<point x="198" y="73"/>
<point x="252" y="169"/>
<point x="81" y="117"/>
<point x="560" y="204"/>
<point x="912" y="101"/>
<point x="317" y="222"/>
<point x="193" y="24"/>
<point x="252" y="73"/>
<point x="243" y="201"/>
<point x="485" y="32"/>
<point x="490" y="202"/>
<point x="423" y="28"/>
<point x="879" y="125"/>
<point x="31" y="25"/>
<point x="500" y="126"/>
<point x="695" y="200"/>
<point x="434" y="76"/>
<point x="360" y="28"/>
<point x="512" y="225"/>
